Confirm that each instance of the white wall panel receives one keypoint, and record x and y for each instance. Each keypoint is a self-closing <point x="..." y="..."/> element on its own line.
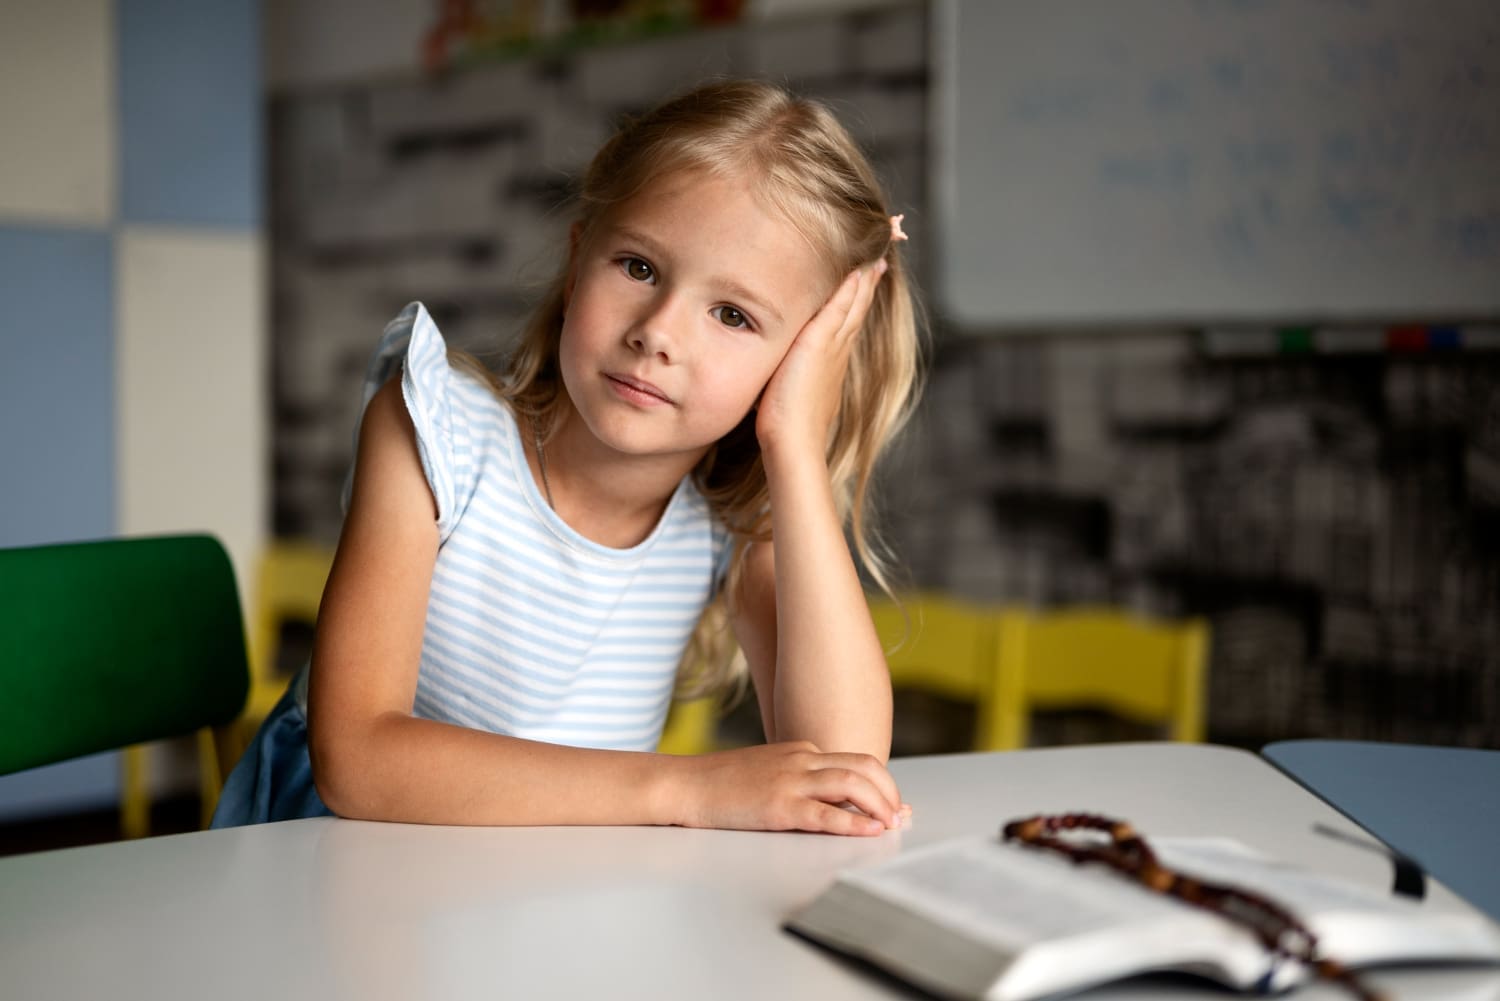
<point x="57" y="112"/>
<point x="192" y="387"/>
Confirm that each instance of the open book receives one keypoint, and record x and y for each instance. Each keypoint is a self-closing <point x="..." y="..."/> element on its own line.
<point x="977" y="918"/>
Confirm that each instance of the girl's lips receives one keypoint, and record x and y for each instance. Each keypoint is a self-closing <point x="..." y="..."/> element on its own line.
<point x="637" y="390"/>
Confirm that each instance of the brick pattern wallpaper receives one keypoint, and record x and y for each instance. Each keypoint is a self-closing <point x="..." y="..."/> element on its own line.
<point x="1336" y="519"/>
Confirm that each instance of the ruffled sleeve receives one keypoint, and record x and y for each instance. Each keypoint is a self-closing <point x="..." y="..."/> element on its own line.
<point x="413" y="344"/>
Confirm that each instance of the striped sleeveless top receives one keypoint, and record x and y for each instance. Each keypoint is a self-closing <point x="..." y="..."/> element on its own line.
<point x="533" y="630"/>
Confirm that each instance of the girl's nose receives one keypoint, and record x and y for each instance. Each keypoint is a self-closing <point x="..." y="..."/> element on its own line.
<point x="653" y="331"/>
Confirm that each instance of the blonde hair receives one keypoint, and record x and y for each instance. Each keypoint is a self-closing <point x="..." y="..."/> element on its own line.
<point x="803" y="162"/>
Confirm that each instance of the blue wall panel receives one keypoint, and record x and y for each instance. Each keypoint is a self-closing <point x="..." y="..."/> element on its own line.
<point x="91" y="783"/>
<point x="190" y="125"/>
<point x="57" y="384"/>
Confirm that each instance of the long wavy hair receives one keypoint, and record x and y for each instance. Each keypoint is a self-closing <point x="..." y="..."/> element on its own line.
<point x="803" y="163"/>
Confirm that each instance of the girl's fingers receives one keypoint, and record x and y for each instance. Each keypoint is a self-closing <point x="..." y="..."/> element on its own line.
<point x="825" y="818"/>
<point x="835" y="312"/>
<point x="871" y="769"/>
<point x="844" y="785"/>
<point x="849" y="301"/>
<point x="870" y="276"/>
<point x="853" y="319"/>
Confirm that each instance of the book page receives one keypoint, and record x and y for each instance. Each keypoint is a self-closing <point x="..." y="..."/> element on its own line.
<point x="1354" y="923"/>
<point x="1012" y="897"/>
<point x="1043" y="924"/>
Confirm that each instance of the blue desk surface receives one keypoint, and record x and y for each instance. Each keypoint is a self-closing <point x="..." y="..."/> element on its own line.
<point x="1439" y="805"/>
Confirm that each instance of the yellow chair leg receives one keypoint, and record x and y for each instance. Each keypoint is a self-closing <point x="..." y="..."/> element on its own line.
<point x="208" y="776"/>
<point x="1003" y="721"/>
<point x="135" y="802"/>
<point x="1192" y="693"/>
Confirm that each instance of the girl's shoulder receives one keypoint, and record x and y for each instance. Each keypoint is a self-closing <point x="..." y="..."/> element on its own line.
<point x="432" y="373"/>
<point x="461" y="424"/>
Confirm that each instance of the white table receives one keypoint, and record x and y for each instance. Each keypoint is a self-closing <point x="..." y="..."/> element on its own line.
<point x="331" y="909"/>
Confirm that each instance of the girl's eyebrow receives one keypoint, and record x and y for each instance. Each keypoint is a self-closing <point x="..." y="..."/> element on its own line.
<point x="729" y="286"/>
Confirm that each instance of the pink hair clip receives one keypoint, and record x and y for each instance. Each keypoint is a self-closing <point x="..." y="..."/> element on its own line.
<point x="896" y="235"/>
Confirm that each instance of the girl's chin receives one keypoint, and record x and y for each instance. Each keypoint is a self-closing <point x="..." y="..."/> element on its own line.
<point x="649" y="443"/>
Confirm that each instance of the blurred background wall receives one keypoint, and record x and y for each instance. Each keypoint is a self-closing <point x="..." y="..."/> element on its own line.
<point x="181" y="357"/>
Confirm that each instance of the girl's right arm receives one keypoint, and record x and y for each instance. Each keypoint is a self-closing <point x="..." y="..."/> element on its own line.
<point x="373" y="759"/>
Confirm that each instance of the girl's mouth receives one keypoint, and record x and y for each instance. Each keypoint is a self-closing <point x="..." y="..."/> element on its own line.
<point x="637" y="390"/>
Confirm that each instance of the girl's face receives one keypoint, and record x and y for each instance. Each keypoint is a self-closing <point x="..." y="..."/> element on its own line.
<point x="680" y="305"/>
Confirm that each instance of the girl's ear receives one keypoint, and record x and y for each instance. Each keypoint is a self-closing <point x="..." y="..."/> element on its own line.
<point x="575" y="234"/>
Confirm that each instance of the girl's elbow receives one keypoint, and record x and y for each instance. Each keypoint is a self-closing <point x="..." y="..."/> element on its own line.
<point x="337" y="776"/>
<point x="873" y="738"/>
<point x="845" y="740"/>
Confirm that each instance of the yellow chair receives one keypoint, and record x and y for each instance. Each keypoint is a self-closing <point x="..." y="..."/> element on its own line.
<point x="289" y="588"/>
<point x="1143" y="670"/>
<point x="216" y="755"/>
<point x="690" y="728"/>
<point x="944" y="646"/>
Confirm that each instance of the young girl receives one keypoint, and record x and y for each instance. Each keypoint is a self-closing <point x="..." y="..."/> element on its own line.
<point x="684" y="433"/>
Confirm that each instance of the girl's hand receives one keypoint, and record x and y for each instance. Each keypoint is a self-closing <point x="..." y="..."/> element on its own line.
<point x="799" y="403"/>
<point x="789" y="787"/>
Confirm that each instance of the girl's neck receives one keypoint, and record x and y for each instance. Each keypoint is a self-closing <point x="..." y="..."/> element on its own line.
<point x="607" y="497"/>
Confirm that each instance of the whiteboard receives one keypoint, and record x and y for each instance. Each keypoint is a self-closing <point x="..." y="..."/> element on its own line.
<point x="1116" y="161"/>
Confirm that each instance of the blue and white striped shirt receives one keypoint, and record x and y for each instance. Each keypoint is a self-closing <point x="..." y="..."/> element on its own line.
<point x="533" y="630"/>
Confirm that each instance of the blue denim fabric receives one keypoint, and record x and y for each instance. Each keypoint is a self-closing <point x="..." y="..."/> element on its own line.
<point x="273" y="779"/>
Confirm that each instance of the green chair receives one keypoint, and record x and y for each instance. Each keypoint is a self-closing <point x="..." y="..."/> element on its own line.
<point x="108" y="644"/>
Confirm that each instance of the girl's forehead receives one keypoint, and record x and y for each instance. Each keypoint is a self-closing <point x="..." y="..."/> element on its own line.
<point x="714" y="194"/>
<point x="736" y="202"/>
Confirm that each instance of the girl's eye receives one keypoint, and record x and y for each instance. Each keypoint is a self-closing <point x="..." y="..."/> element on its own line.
<point x="730" y="317"/>
<point x="637" y="269"/>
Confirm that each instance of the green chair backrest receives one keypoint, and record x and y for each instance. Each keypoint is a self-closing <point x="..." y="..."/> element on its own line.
<point x="107" y="644"/>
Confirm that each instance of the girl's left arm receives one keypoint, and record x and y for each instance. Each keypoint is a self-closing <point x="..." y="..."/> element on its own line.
<point x="801" y="617"/>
